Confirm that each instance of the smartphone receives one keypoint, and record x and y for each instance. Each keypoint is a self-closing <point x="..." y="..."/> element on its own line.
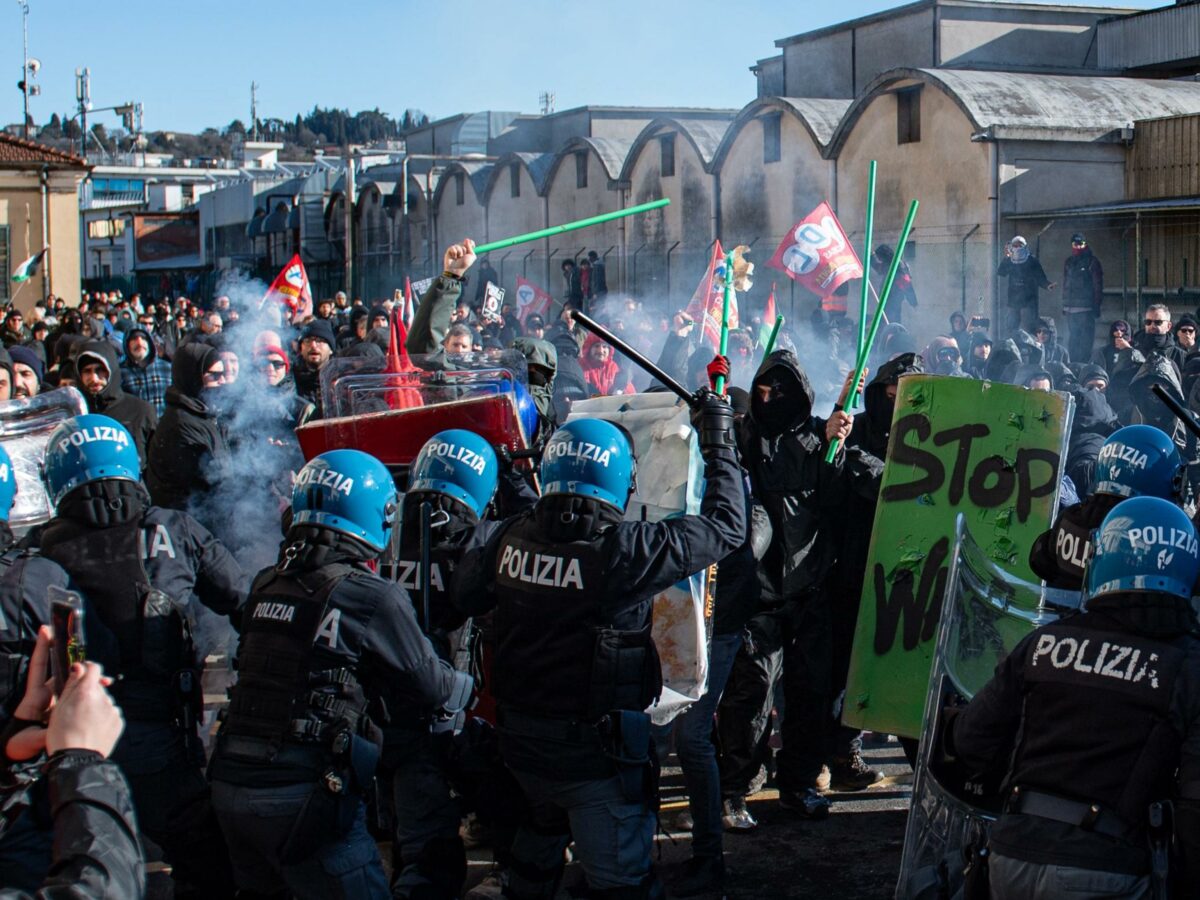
<point x="68" y="646"/>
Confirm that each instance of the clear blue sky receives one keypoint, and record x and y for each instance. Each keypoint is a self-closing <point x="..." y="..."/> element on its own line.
<point x="191" y="64"/>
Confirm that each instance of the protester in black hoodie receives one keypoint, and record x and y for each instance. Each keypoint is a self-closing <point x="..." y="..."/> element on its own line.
<point x="190" y="446"/>
<point x="1094" y="421"/>
<point x="100" y="384"/>
<point x="783" y="448"/>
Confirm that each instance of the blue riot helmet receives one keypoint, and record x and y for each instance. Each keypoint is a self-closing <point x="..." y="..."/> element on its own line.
<point x="1139" y="461"/>
<point x="88" y="448"/>
<point x="8" y="485"/>
<point x="347" y="491"/>
<point x="459" y="464"/>
<point x="589" y="458"/>
<point x="526" y="410"/>
<point x="1143" y="544"/>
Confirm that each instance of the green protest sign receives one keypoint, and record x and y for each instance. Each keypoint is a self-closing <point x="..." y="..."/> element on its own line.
<point x="990" y="451"/>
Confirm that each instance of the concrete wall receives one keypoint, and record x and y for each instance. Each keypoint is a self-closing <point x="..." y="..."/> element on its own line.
<point x="660" y="272"/>
<point x="455" y="222"/>
<point x="509" y="215"/>
<point x="566" y="202"/>
<point x="761" y="201"/>
<point x="21" y="211"/>
<point x="948" y="174"/>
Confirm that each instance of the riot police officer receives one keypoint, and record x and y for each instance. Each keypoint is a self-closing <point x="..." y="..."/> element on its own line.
<point x="1135" y="461"/>
<point x="453" y="481"/>
<point x="24" y="606"/>
<point x="143" y="569"/>
<point x="576" y="666"/>
<point x="320" y="637"/>
<point x="1096" y="721"/>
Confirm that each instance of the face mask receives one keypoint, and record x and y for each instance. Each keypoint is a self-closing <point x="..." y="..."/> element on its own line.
<point x="1020" y="254"/>
<point x="1078" y="251"/>
<point x="1157" y="341"/>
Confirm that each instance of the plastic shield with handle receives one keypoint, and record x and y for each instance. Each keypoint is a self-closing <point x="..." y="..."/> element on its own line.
<point x="25" y="427"/>
<point x="986" y="611"/>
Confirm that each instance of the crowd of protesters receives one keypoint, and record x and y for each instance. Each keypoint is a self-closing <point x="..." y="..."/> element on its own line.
<point x="786" y="598"/>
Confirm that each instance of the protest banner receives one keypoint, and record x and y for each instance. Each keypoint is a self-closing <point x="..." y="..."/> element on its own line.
<point x="989" y="451"/>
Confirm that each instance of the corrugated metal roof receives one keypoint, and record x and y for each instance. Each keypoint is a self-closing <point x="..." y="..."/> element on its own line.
<point x="1127" y="207"/>
<point x="1015" y="105"/>
<point x="1152" y="38"/>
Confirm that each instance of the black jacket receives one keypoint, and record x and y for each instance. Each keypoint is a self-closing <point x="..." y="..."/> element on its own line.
<point x="1148" y="409"/>
<point x="190" y="448"/>
<point x="1024" y="281"/>
<point x="1094" y="421"/>
<point x="97" y="848"/>
<point x="1089" y="732"/>
<point x="133" y="412"/>
<point x="738" y="593"/>
<point x="783" y="448"/>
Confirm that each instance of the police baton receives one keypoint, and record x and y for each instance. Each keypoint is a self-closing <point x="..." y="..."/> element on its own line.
<point x="636" y="358"/>
<point x="1178" y="410"/>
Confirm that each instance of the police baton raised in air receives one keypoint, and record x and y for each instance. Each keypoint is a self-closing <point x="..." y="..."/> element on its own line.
<point x="634" y="357"/>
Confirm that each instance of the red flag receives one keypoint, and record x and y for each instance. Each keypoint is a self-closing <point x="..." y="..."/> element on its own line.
<point x="290" y="289"/>
<point x="768" y="322"/>
<point x="406" y="393"/>
<point x="531" y="299"/>
<point x="817" y="253"/>
<point x="708" y="300"/>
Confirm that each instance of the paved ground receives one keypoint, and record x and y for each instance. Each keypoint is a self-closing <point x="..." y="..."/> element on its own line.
<point x="856" y="853"/>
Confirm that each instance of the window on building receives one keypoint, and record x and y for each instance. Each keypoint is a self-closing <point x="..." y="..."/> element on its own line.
<point x="666" y="166"/>
<point x="5" y="268"/>
<point x="514" y="179"/>
<point x="581" y="162"/>
<point x="771" y="126"/>
<point x="459" y="189"/>
<point x="908" y="115"/>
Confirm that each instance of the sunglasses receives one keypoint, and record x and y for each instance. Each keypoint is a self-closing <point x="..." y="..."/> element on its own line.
<point x="1157" y="321"/>
<point x="1186" y="330"/>
<point x="274" y="363"/>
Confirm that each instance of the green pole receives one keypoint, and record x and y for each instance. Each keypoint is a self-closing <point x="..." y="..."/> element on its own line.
<point x="866" y="257"/>
<point x="773" y="335"/>
<point x="726" y="301"/>
<point x="861" y="366"/>
<point x="480" y="249"/>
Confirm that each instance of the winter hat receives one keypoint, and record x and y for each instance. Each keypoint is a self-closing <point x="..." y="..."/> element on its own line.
<point x="1185" y="319"/>
<point x="27" y="357"/>
<point x="321" y="330"/>
<point x="1119" y="324"/>
<point x="265" y="350"/>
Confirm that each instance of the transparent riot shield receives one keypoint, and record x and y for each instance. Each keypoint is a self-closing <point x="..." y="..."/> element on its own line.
<point x="670" y="478"/>
<point x="985" y="612"/>
<point x="25" y="427"/>
<point x="392" y="414"/>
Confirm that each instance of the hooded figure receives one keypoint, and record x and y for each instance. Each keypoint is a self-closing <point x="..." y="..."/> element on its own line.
<point x="1094" y="421"/>
<point x="190" y="447"/>
<point x="1149" y="410"/>
<point x="148" y="377"/>
<point x="944" y="357"/>
<point x="783" y="448"/>
<point x="1052" y="350"/>
<point x="976" y="362"/>
<point x="542" y="360"/>
<point x="872" y="427"/>
<point x="1002" y="365"/>
<point x="133" y="412"/>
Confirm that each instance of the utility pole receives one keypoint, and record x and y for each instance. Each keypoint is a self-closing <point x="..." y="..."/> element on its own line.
<point x="254" y="110"/>
<point x="546" y="100"/>
<point x="24" y="82"/>
<point x="349" y="250"/>
<point x="83" y="93"/>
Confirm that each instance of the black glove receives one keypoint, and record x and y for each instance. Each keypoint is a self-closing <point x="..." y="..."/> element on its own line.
<point x="712" y="417"/>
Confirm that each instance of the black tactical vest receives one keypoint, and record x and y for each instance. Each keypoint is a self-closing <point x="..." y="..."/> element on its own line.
<point x="555" y="655"/>
<point x="150" y="630"/>
<point x="281" y="695"/>
<point x="1095" y="724"/>
<point x="442" y="562"/>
